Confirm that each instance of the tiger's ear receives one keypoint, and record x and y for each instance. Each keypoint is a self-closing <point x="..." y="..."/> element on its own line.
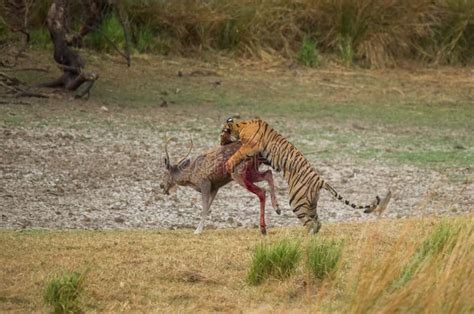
<point x="230" y="120"/>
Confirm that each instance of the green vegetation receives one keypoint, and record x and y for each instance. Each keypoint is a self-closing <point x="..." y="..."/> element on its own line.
<point x="323" y="257"/>
<point x="368" y="33"/>
<point x="3" y="30"/>
<point x="441" y="240"/>
<point x="39" y="37"/>
<point x="426" y="275"/>
<point x="278" y="260"/>
<point x="308" y="54"/>
<point x="104" y="38"/>
<point x="63" y="292"/>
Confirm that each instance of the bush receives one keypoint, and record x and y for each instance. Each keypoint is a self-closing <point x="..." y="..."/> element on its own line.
<point x="108" y="35"/>
<point x="63" y="292"/>
<point x="278" y="260"/>
<point x="308" y="54"/>
<point x="366" y="32"/>
<point x="40" y="37"/>
<point x="323" y="257"/>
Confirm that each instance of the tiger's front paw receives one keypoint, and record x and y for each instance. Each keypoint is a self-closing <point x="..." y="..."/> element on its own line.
<point x="229" y="167"/>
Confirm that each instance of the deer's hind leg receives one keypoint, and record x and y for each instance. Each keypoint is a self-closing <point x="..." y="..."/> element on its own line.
<point x="268" y="176"/>
<point x="248" y="184"/>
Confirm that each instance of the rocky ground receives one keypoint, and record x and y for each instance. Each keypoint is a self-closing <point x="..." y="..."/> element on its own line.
<point x="53" y="177"/>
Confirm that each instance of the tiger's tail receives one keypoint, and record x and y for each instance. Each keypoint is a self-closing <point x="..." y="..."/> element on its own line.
<point x="379" y="205"/>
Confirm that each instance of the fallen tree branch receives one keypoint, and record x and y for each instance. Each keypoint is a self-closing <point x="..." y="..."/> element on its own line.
<point x="16" y="88"/>
<point x="26" y="69"/>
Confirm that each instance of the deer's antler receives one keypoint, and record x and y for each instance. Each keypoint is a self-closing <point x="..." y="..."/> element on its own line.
<point x="189" y="151"/>
<point x="167" y="156"/>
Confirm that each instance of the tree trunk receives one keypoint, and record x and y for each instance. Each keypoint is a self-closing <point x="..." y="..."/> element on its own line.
<point x="68" y="59"/>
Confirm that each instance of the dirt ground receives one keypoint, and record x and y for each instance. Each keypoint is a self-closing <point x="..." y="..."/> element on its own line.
<point x="97" y="164"/>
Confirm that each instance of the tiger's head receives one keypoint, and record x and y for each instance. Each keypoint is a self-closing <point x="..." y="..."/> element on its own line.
<point x="232" y="128"/>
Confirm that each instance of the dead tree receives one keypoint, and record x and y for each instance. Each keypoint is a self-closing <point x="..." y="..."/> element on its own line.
<point x="68" y="59"/>
<point x="74" y="78"/>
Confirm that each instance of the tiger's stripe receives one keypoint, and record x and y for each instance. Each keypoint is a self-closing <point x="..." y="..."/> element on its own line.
<point x="303" y="180"/>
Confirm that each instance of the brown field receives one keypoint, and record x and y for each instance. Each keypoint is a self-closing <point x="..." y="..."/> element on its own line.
<point x="176" y="271"/>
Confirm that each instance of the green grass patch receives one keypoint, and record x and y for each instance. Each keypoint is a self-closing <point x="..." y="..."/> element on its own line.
<point x="63" y="292"/>
<point x="40" y="38"/>
<point x="276" y="260"/>
<point x="440" y="241"/>
<point x="323" y="257"/>
<point x="308" y="54"/>
<point x="3" y="31"/>
<point x="108" y="35"/>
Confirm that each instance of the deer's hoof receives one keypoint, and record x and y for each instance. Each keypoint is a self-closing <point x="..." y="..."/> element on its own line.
<point x="278" y="210"/>
<point x="199" y="229"/>
<point x="263" y="230"/>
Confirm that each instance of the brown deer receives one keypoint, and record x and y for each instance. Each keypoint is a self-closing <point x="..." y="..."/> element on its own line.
<point x="206" y="174"/>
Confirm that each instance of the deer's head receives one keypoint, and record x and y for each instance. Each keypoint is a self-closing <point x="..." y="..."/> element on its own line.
<point x="172" y="172"/>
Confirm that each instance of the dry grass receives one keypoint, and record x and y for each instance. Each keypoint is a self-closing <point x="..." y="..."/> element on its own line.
<point x="177" y="271"/>
<point x="367" y="32"/>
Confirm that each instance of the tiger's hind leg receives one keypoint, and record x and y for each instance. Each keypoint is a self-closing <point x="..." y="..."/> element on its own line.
<point x="314" y="225"/>
<point x="309" y="217"/>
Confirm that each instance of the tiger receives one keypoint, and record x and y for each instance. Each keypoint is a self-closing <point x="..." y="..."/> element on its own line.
<point x="303" y="180"/>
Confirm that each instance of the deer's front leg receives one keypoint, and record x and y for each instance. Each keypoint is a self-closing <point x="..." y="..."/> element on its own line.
<point x="207" y="194"/>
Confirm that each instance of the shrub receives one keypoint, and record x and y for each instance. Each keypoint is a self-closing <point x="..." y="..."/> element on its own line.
<point x="323" y="257"/>
<point x="40" y="37"/>
<point x="107" y="35"/>
<point x="308" y="54"/>
<point x="452" y="39"/>
<point x="278" y="260"/>
<point x="366" y="32"/>
<point x="63" y="292"/>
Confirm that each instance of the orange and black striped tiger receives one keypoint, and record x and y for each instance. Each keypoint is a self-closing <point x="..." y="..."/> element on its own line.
<point x="304" y="182"/>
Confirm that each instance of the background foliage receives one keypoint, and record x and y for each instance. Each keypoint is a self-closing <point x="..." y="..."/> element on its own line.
<point x="370" y="33"/>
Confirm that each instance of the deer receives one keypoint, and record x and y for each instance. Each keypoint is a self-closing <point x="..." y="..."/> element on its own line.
<point x="206" y="174"/>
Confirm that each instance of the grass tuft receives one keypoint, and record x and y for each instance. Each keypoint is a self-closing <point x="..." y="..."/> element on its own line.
<point x="323" y="257"/>
<point x="441" y="240"/>
<point x="278" y="260"/>
<point x="63" y="292"/>
<point x="431" y="275"/>
<point x="308" y="54"/>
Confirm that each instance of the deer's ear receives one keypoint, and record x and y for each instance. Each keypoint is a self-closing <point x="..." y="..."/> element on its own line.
<point x="184" y="163"/>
